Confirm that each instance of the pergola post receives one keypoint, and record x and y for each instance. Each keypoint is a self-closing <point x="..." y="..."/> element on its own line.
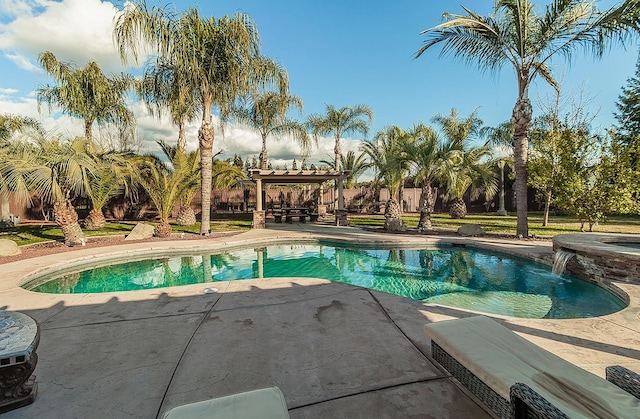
<point x="340" y="213"/>
<point x="259" y="213"/>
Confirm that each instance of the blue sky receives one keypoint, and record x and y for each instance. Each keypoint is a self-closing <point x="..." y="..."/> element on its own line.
<point x="336" y="52"/>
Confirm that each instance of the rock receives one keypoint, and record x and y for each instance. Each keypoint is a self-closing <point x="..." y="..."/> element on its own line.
<point x="471" y="230"/>
<point x="9" y="248"/>
<point x="140" y="232"/>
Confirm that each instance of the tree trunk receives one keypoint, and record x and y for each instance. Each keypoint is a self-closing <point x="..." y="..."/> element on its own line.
<point x="547" y="206"/>
<point x="401" y="195"/>
<point x="205" y="136"/>
<point x="88" y="135"/>
<point x="67" y="218"/>
<point x="163" y="229"/>
<point x="521" y="121"/>
<point x="182" y="138"/>
<point x="95" y="220"/>
<point x="186" y="216"/>
<point x="427" y="202"/>
<point x="263" y="154"/>
<point x="337" y="149"/>
<point x="392" y="214"/>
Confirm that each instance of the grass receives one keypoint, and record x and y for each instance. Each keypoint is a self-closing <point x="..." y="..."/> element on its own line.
<point x="36" y="233"/>
<point x="493" y="223"/>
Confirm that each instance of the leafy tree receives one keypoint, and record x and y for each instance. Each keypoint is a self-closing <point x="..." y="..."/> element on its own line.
<point x="218" y="59"/>
<point x="11" y="124"/>
<point x="86" y="93"/>
<point x="628" y="115"/>
<point x="516" y="34"/>
<point x="501" y="138"/>
<point x="266" y="112"/>
<point x="339" y="122"/>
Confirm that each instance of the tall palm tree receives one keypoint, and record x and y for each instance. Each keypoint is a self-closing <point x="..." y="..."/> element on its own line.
<point x="266" y="112"/>
<point x="86" y="93"/>
<point x="339" y="122"/>
<point x="219" y="60"/>
<point x="386" y="154"/>
<point x="162" y="88"/>
<point x="516" y="34"/>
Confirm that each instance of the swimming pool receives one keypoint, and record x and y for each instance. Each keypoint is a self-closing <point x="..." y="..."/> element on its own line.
<point x="459" y="277"/>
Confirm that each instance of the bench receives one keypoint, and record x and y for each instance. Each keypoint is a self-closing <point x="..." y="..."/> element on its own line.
<point x="314" y="217"/>
<point x="265" y="403"/>
<point x="19" y="339"/>
<point x="515" y="378"/>
<point x="277" y="216"/>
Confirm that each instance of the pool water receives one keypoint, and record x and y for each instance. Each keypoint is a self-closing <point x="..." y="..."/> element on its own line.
<point x="452" y="276"/>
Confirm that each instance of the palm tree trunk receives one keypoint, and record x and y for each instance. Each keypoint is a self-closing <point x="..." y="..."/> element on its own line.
<point x="88" y="135"/>
<point x="337" y="149"/>
<point x="67" y="218"/>
<point x="426" y="205"/>
<point x="521" y="121"/>
<point x="182" y="138"/>
<point x="205" y="136"/>
<point x="263" y="154"/>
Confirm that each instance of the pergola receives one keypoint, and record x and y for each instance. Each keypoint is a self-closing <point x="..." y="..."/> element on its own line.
<point x="294" y="176"/>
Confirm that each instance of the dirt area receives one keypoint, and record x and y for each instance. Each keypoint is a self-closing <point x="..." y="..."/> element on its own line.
<point x="47" y="248"/>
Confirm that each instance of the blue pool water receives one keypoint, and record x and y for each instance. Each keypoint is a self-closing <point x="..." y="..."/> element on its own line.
<point x="453" y="276"/>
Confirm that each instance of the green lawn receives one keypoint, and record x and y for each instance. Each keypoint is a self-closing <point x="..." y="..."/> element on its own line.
<point x="492" y="223"/>
<point x="36" y="233"/>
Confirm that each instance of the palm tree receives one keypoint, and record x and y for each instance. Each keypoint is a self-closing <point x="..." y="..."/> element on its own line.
<point x="114" y="174"/>
<point x="463" y="165"/>
<point x="165" y="182"/>
<point x="86" y="93"/>
<point x="10" y="180"/>
<point x="387" y="157"/>
<point x="11" y="124"/>
<point x="218" y="59"/>
<point x="515" y="34"/>
<point x="339" y="122"/>
<point x="162" y="87"/>
<point x="426" y="155"/>
<point x="59" y="170"/>
<point x="501" y="138"/>
<point x="355" y="165"/>
<point x="266" y="112"/>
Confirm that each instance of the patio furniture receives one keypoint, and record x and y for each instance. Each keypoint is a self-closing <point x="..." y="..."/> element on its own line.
<point x="277" y="215"/>
<point x="19" y="338"/>
<point x="266" y="403"/>
<point x="516" y="378"/>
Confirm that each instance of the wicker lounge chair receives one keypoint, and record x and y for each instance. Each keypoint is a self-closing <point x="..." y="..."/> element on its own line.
<point x="266" y="403"/>
<point x="516" y="378"/>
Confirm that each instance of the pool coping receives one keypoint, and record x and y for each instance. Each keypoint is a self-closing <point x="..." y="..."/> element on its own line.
<point x="591" y="343"/>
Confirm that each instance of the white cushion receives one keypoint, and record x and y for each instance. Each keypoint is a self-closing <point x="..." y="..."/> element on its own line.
<point x="266" y="403"/>
<point x="501" y="358"/>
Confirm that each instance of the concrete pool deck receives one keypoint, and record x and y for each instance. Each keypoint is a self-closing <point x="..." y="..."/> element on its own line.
<point x="335" y="350"/>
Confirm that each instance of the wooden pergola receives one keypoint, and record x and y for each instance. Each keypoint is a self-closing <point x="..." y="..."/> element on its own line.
<point x="298" y="177"/>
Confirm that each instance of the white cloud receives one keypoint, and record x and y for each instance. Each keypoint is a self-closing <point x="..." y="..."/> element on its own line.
<point x="22" y="62"/>
<point x="74" y="30"/>
<point x="4" y="91"/>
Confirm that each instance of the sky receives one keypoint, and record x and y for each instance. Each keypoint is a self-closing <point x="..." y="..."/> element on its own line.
<point x="337" y="52"/>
